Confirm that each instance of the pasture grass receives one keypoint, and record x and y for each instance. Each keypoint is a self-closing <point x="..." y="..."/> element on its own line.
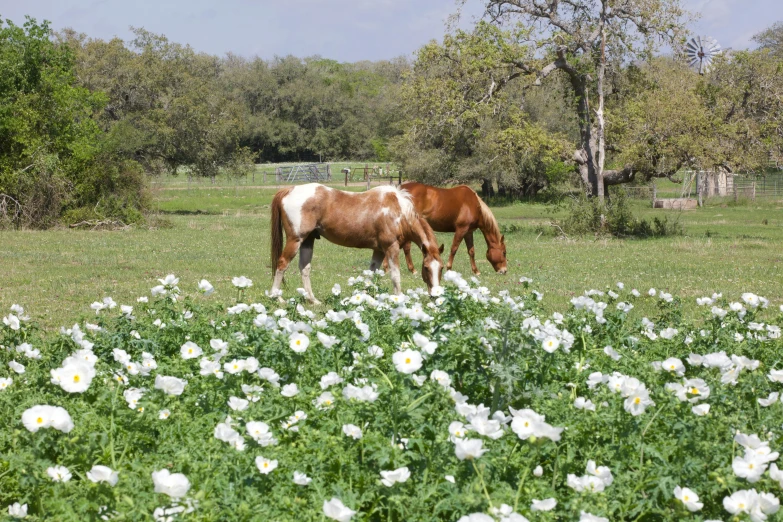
<point x="222" y="231"/>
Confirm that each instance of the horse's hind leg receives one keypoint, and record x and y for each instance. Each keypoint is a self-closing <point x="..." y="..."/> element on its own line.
<point x="289" y="251"/>
<point x="406" y="248"/>
<point x="471" y="252"/>
<point x="305" y="257"/>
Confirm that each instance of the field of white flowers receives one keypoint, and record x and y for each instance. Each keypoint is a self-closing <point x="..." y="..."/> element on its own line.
<point x="469" y="406"/>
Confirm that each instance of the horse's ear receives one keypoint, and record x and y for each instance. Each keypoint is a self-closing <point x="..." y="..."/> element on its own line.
<point x="502" y="240"/>
<point x="441" y="248"/>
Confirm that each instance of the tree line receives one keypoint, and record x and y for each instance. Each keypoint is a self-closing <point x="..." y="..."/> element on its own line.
<point x="534" y="95"/>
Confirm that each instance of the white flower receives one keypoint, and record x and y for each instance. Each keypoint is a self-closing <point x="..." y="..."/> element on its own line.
<point x="389" y="478"/>
<point x="449" y="478"/>
<point x="587" y="517"/>
<point x="265" y="466"/>
<point x="543" y="505"/>
<point x="689" y="498"/>
<point x="59" y="473"/>
<point x="170" y="385"/>
<point x="375" y="351"/>
<point x="175" y="485"/>
<point x="330" y="379"/>
<point x="242" y="282"/>
<point x="17" y="367"/>
<point x="336" y="289"/>
<point x="701" y="410"/>
<point x="751" y="466"/>
<point x="611" y="352"/>
<point x="338" y="511"/>
<point x="205" y="287"/>
<point x="76" y="376"/>
<point x="132" y="397"/>
<point x="651" y="292"/>
<point x="103" y="474"/>
<point x="44" y="416"/>
<point x="352" y="431"/>
<point x="298" y="342"/>
<point x="775" y="375"/>
<point x="441" y="378"/>
<point x="751" y="502"/>
<point x="476" y="517"/>
<point x="425" y="344"/>
<point x="580" y="403"/>
<point x="17" y="510"/>
<point x="5" y="382"/>
<point x="469" y="448"/>
<point x="419" y="379"/>
<point x="327" y="340"/>
<point x="770" y="400"/>
<point x="289" y="390"/>
<point x="407" y="361"/>
<point x="164" y="414"/>
<point x="190" y="350"/>
<point x="268" y="374"/>
<point x="237" y="404"/>
<point x="538" y="471"/>
<point x="636" y="402"/>
<point x="674" y="365"/>
<point x="301" y="479"/>
<point x="550" y="344"/>
<point x="527" y="423"/>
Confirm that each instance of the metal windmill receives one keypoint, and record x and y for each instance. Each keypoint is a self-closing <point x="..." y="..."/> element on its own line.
<point x="701" y="51"/>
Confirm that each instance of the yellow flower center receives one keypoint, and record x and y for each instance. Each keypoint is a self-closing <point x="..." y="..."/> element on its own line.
<point x="694" y="391"/>
<point x="686" y="498"/>
<point x="298" y="342"/>
<point x="76" y="378"/>
<point x="266" y="464"/>
<point x="327" y="402"/>
<point x="408" y="360"/>
<point x="39" y="420"/>
<point x="637" y="400"/>
<point x="742" y="505"/>
<point x="190" y="350"/>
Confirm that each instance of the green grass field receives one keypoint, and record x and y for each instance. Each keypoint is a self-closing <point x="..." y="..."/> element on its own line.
<point x="221" y="231"/>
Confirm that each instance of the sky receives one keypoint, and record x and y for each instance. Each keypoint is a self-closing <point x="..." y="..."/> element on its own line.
<point x="343" y="30"/>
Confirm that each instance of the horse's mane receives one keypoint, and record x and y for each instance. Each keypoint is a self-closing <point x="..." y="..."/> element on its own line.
<point x="490" y="224"/>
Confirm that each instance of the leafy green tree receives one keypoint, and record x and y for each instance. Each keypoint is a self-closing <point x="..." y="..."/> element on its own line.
<point x="461" y="129"/>
<point x="771" y="39"/>
<point x="583" y="40"/>
<point x="53" y="155"/>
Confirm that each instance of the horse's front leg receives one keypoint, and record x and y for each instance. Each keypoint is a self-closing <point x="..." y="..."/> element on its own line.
<point x="291" y="247"/>
<point x="406" y="248"/>
<point x="393" y="257"/>
<point x="458" y="235"/>
<point x="471" y="252"/>
<point x="305" y="257"/>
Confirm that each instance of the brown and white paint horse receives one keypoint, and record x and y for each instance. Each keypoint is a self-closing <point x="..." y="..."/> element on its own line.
<point x="381" y="219"/>
<point x="459" y="210"/>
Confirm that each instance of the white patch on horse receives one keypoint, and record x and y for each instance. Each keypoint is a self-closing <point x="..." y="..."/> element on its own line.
<point x="435" y="269"/>
<point x="295" y="200"/>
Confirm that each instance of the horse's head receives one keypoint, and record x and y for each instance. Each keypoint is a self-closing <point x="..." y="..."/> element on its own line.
<point x="432" y="266"/>
<point x="496" y="255"/>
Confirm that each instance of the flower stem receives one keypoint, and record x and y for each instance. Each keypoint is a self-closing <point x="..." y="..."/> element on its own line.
<point x="481" y="478"/>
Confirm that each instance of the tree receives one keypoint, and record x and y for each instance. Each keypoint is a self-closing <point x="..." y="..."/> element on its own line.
<point x="460" y="129"/>
<point x="582" y="39"/>
<point x="53" y="156"/>
<point x="771" y="40"/>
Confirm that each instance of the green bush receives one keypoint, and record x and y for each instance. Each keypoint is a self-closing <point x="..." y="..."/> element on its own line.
<point x="589" y="216"/>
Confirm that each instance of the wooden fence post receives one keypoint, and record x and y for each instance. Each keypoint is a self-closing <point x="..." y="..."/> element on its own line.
<point x="366" y="171"/>
<point x="753" y="197"/>
<point x="654" y="193"/>
<point x="328" y="171"/>
<point x="734" y="187"/>
<point x="346" y="175"/>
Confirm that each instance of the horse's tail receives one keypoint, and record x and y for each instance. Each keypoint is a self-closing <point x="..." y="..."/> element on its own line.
<point x="276" y="246"/>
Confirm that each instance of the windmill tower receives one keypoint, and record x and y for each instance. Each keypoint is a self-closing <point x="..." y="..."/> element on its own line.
<point x="701" y="51"/>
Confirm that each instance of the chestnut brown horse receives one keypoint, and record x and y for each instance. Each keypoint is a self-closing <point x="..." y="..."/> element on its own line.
<point x="459" y="210"/>
<point x="381" y="219"/>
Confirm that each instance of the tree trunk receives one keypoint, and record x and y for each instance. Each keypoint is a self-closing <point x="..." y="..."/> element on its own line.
<point x="599" y="171"/>
<point x="585" y="156"/>
<point x="487" y="191"/>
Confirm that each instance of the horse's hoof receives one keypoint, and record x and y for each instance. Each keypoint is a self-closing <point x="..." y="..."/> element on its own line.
<point x="280" y="300"/>
<point x="415" y="272"/>
<point x="476" y="272"/>
<point x="314" y="301"/>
